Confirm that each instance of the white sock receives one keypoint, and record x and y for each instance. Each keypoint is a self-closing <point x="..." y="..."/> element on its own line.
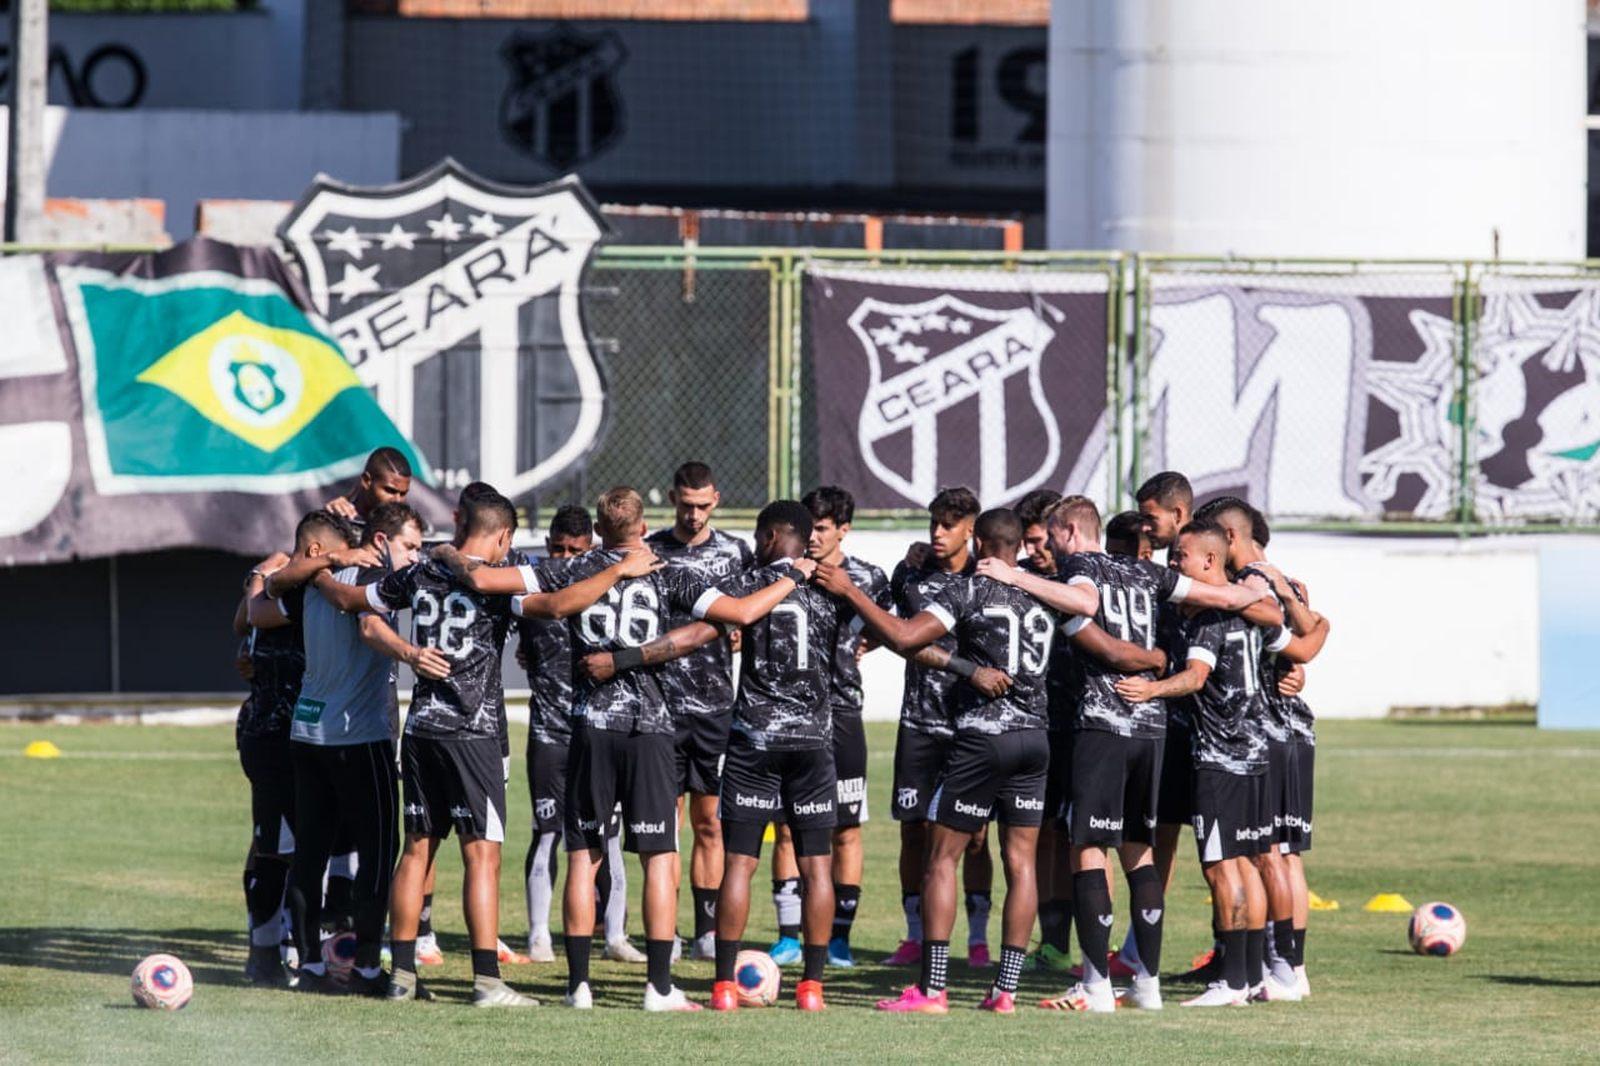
<point x="786" y="901"/>
<point x="616" y="915"/>
<point x="541" y="890"/>
<point x="344" y="865"/>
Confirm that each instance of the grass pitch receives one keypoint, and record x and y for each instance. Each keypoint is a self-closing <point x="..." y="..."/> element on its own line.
<point x="132" y="842"/>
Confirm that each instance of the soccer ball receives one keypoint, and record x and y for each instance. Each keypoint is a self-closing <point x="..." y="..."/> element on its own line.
<point x="757" y="977"/>
<point x="161" y="982"/>
<point x="339" y="955"/>
<point x="1437" y="929"/>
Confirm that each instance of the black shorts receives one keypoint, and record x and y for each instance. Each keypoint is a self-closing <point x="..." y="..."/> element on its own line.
<point x="1058" y="777"/>
<point x="1116" y="785"/>
<point x="637" y="770"/>
<point x="797" y="788"/>
<point x="1176" y="804"/>
<point x="270" y="770"/>
<point x="700" y="741"/>
<point x="993" y="776"/>
<point x="919" y="762"/>
<point x="547" y="784"/>
<point x="1279" y="792"/>
<point x="456" y="783"/>
<point x="850" y="763"/>
<point x="1298" y="835"/>
<point x="1228" y="822"/>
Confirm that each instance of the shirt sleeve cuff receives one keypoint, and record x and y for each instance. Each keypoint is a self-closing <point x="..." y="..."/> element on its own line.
<point x="1075" y="623"/>
<point x="1180" y="592"/>
<point x="1203" y="655"/>
<point x="1081" y="579"/>
<point x="703" y="604"/>
<point x="374" y="600"/>
<point x="945" y="618"/>
<point x="1281" y="641"/>
<point x="530" y="580"/>
<point x="516" y="606"/>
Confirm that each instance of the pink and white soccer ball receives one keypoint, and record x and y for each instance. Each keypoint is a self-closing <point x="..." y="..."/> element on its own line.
<point x="1437" y="929"/>
<point x="339" y="955"/>
<point x="757" y="977"/>
<point x="161" y="982"/>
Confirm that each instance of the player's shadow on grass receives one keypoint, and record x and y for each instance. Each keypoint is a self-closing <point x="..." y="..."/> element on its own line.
<point x="213" y="956"/>
<point x="1535" y="981"/>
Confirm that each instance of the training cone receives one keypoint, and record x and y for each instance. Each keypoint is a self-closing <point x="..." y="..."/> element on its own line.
<point x="1317" y="903"/>
<point x="1388" y="903"/>
<point x="42" y="749"/>
<point x="769" y="834"/>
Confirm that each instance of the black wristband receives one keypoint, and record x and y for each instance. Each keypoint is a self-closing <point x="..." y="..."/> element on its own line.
<point x="627" y="659"/>
<point x="795" y="574"/>
<point x="961" y="667"/>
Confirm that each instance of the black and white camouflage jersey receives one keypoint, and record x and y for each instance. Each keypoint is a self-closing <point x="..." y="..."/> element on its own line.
<point x="1230" y="708"/>
<point x="1131" y="591"/>
<point x="470" y="629"/>
<point x="632" y="613"/>
<point x="1302" y="721"/>
<point x="702" y="681"/>
<point x="785" y="664"/>
<point x="1003" y="627"/>
<point x="845" y="681"/>
<point x="1275" y="718"/>
<point x="922" y="706"/>
<point x="1172" y="637"/>
<point x="547" y="647"/>
<point x="277" y="664"/>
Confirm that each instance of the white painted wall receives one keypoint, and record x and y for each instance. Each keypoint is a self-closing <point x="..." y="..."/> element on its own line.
<point x="1359" y="128"/>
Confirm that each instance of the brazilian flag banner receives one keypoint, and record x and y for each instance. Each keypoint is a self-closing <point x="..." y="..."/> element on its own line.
<point x="200" y="401"/>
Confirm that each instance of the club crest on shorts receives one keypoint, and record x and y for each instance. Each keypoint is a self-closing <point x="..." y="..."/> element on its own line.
<point x="545" y="808"/>
<point x="562" y="105"/>
<point x="905" y="798"/>
<point x="955" y="397"/>
<point x="450" y="285"/>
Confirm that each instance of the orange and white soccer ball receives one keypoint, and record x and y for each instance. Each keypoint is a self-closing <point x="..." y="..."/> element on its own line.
<point x="757" y="977"/>
<point x="339" y="955"/>
<point x="161" y="982"/>
<point x="1437" y="929"/>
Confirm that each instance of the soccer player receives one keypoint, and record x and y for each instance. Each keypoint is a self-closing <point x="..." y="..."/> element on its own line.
<point x="923" y="741"/>
<point x="342" y="731"/>
<point x="699" y="687"/>
<point x="386" y="478"/>
<point x="997" y="764"/>
<point x="622" y="741"/>
<point x="277" y="661"/>
<point x="780" y="756"/>
<point x="832" y="511"/>
<point x="1167" y="501"/>
<point x="1222" y="674"/>
<point x="1117" y="746"/>
<point x="1282" y="871"/>
<point x="546" y="653"/>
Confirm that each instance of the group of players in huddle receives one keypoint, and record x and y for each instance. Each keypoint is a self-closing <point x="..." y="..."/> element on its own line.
<point x="1057" y="682"/>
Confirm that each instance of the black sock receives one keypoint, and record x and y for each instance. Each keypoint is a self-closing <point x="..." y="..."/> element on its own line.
<point x="485" y="962"/>
<point x="1011" y="959"/>
<point x="1256" y="940"/>
<point x="1283" y="939"/>
<point x="658" y="966"/>
<point x="1234" y="949"/>
<point x="578" y="948"/>
<point x="1299" y="948"/>
<point x="935" y="966"/>
<point x="727" y="958"/>
<point x="846" y="898"/>
<point x="403" y="954"/>
<point x="336" y="899"/>
<point x="816" y="957"/>
<point x="425" y="919"/>
<point x="705" y="911"/>
<point x="1144" y="890"/>
<point x="264" y="892"/>
<point x="1091" y="905"/>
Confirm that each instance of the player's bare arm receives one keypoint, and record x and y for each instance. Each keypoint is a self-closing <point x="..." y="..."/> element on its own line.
<point x="1302" y="649"/>
<point x="902" y="635"/>
<point x="1186" y="682"/>
<point x="1075" y="599"/>
<point x="746" y="610"/>
<point x="674" y="644"/>
<point x="351" y="599"/>
<point x="1298" y="616"/>
<point x="263" y="612"/>
<point x="253" y="583"/>
<point x="1230" y="598"/>
<point x="1265" y="612"/>
<point x="1292" y="682"/>
<point x="379" y="635"/>
<point x="303" y="567"/>
<point x="1121" y="655"/>
<point x="580" y="595"/>
<point x="989" y="680"/>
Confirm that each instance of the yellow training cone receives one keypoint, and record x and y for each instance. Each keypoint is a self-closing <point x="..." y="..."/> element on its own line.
<point x="42" y="749"/>
<point x="769" y="834"/>
<point x="1317" y="903"/>
<point x="1388" y="903"/>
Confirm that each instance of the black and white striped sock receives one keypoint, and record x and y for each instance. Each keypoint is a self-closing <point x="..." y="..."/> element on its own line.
<point x="1011" y="960"/>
